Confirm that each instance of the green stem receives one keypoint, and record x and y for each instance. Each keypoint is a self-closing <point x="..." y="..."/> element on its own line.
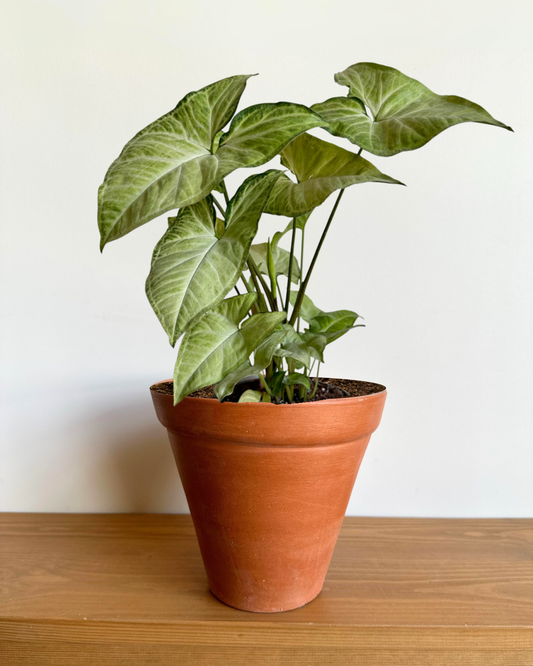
<point x="283" y="307"/>
<point x="301" y="267"/>
<point x="291" y="257"/>
<point x="222" y="211"/>
<point x="316" y="382"/>
<point x="246" y="284"/>
<point x="253" y="266"/>
<point x="225" y="192"/>
<point x="303" y="287"/>
<point x="265" y="385"/>
<point x="260" y="298"/>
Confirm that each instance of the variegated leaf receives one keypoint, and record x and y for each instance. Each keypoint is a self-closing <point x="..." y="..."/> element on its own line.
<point x="193" y="269"/>
<point x="320" y="168"/>
<point x="403" y="113"/>
<point x="215" y="345"/>
<point x="168" y="164"/>
<point x="258" y="133"/>
<point x="262" y="358"/>
<point x="330" y="325"/>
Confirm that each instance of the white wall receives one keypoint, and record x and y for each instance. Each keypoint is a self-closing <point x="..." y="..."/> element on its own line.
<point x="441" y="270"/>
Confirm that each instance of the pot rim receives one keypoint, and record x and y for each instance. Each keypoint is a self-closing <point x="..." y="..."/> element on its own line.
<point x="263" y="405"/>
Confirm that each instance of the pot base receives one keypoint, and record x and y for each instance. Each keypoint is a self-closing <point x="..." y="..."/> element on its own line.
<point x="265" y="610"/>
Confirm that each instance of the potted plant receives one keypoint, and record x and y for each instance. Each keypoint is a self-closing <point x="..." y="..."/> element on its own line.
<point x="267" y="452"/>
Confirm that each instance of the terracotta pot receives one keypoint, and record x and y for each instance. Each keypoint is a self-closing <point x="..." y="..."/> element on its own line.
<point x="267" y="487"/>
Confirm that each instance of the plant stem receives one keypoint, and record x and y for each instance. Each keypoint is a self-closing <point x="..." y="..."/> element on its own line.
<point x="265" y="385"/>
<point x="301" y="267"/>
<point x="316" y="382"/>
<point x="246" y="284"/>
<point x="253" y="267"/>
<point x="260" y="298"/>
<point x="222" y="211"/>
<point x="291" y="257"/>
<point x="303" y="287"/>
<point x="225" y="191"/>
<point x="283" y="307"/>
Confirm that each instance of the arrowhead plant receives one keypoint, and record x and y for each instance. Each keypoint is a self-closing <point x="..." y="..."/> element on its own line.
<point x="270" y="328"/>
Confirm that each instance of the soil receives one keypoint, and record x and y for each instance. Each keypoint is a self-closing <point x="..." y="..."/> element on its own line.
<point x="328" y="388"/>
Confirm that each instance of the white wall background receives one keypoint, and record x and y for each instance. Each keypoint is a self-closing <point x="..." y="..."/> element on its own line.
<point x="441" y="270"/>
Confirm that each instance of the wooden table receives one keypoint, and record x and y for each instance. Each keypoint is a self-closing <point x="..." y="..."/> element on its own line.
<point x="106" y="590"/>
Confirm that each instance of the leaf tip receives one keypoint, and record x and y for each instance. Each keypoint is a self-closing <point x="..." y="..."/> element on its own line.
<point x="504" y="126"/>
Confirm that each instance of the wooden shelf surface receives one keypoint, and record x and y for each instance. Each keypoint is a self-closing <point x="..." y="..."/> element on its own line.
<point x="110" y="589"/>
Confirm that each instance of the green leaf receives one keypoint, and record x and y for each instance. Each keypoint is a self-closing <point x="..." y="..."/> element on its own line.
<point x="404" y="114"/>
<point x="192" y="270"/>
<point x="215" y="346"/>
<point x="276" y="382"/>
<point x="320" y="168"/>
<point x="226" y="385"/>
<point x="294" y="347"/>
<point x="333" y="324"/>
<point x="220" y="227"/>
<point x="308" y="309"/>
<point x="258" y="133"/>
<point x="259" y="252"/>
<point x="251" y="396"/>
<point x="316" y="344"/>
<point x="168" y="164"/>
<point x="262" y="358"/>
<point x="330" y="325"/>
<point x="297" y="378"/>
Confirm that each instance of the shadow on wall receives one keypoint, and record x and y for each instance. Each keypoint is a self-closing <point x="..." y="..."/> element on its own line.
<point x="135" y="471"/>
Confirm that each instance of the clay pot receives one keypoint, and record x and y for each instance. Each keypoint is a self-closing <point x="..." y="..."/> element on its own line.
<point x="267" y="487"/>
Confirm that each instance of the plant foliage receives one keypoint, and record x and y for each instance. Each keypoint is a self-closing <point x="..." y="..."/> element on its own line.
<point x="179" y="163"/>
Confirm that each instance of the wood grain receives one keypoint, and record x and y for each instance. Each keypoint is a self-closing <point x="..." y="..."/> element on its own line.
<point x="130" y="589"/>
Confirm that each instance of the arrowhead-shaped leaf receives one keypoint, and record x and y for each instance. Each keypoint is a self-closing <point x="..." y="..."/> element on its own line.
<point x="181" y="157"/>
<point x="168" y="164"/>
<point x="262" y="358"/>
<point x="215" y="345"/>
<point x="404" y="114"/>
<point x="258" y="133"/>
<point x="192" y="270"/>
<point x="330" y="325"/>
<point x="320" y="168"/>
